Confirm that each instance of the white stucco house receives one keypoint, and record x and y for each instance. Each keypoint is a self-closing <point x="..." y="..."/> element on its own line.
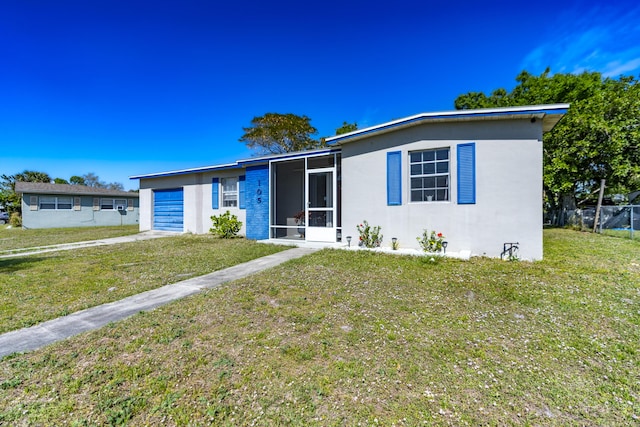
<point x="473" y="175"/>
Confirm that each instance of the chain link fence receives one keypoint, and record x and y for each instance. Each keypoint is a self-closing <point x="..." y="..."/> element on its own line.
<point x="620" y="221"/>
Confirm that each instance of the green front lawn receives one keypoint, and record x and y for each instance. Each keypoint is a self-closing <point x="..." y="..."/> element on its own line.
<point x="41" y="287"/>
<point x="360" y="338"/>
<point x="17" y="238"/>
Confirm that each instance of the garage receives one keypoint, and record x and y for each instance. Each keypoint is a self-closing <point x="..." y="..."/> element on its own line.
<point x="168" y="209"/>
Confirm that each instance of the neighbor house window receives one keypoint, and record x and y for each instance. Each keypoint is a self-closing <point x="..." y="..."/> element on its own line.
<point x="113" y="204"/>
<point x="65" y="202"/>
<point x="230" y="192"/>
<point x="55" y="203"/>
<point x="429" y="175"/>
<point x="47" y="202"/>
<point x="106" y="204"/>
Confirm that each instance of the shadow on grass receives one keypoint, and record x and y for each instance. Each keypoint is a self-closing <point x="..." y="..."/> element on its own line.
<point x="11" y="265"/>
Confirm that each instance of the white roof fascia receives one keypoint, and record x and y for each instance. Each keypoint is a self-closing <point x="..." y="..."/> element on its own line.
<point x="538" y="111"/>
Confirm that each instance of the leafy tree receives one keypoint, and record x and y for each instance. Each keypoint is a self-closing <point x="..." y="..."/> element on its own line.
<point x="276" y="133"/>
<point x="346" y="128"/>
<point x="60" y="181"/>
<point x="76" y="180"/>
<point x="597" y="139"/>
<point x="92" y="180"/>
<point x="8" y="197"/>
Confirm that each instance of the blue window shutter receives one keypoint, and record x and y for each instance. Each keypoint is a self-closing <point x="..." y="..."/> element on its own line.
<point x="215" y="199"/>
<point x="394" y="178"/>
<point x="467" y="174"/>
<point x="241" y="192"/>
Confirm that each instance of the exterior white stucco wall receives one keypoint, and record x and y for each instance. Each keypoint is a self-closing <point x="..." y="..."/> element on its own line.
<point x="198" y="208"/>
<point x="508" y="204"/>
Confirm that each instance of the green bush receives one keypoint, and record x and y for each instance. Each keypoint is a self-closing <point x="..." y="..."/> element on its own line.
<point x="225" y="225"/>
<point x="15" y="220"/>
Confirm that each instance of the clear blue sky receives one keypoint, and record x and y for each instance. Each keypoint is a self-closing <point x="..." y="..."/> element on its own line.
<point x="125" y="87"/>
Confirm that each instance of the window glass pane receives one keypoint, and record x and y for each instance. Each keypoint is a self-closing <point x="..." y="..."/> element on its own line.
<point x="429" y="182"/>
<point x="230" y="192"/>
<point x="229" y="184"/>
<point x="64" y="202"/>
<point x="229" y="202"/>
<point x="430" y="173"/>
<point x="320" y="162"/>
<point x="442" y="154"/>
<point x="443" y="167"/>
<point x="106" y="204"/>
<point x="47" y="202"/>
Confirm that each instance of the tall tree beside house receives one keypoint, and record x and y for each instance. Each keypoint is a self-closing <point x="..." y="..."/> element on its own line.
<point x="276" y="133"/>
<point x="599" y="138"/>
<point x="8" y="197"/>
<point x="346" y="128"/>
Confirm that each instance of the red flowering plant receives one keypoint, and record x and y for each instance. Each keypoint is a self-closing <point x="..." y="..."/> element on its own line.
<point x="299" y="217"/>
<point x="370" y="237"/>
<point x="431" y="242"/>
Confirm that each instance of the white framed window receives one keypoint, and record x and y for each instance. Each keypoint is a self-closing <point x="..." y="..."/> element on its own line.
<point x="47" y="202"/>
<point x="106" y="204"/>
<point x="430" y="179"/>
<point x="55" y="203"/>
<point x="65" y="203"/>
<point x="230" y="192"/>
<point x="113" y="204"/>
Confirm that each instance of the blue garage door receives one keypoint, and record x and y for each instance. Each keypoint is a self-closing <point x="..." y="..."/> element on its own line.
<point x="168" y="208"/>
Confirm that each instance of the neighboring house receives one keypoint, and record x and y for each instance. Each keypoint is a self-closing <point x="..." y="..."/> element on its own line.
<point x="473" y="175"/>
<point x="62" y="205"/>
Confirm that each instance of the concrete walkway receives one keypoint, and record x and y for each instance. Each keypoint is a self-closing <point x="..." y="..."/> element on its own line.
<point x="145" y="235"/>
<point x="40" y="335"/>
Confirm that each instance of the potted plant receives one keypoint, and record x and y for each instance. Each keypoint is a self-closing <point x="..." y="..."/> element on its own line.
<point x="299" y="218"/>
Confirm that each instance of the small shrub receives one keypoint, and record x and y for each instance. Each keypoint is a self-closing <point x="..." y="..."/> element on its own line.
<point x="225" y="225"/>
<point x="15" y="220"/>
<point x="370" y="237"/>
<point x="431" y="242"/>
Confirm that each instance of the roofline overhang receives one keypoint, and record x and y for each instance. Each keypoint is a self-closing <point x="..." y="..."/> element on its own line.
<point x="549" y="114"/>
<point x="240" y="164"/>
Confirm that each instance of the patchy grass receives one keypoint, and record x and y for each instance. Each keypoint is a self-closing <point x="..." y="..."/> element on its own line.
<point x="361" y="338"/>
<point x="17" y="238"/>
<point x="625" y="234"/>
<point x="42" y="287"/>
